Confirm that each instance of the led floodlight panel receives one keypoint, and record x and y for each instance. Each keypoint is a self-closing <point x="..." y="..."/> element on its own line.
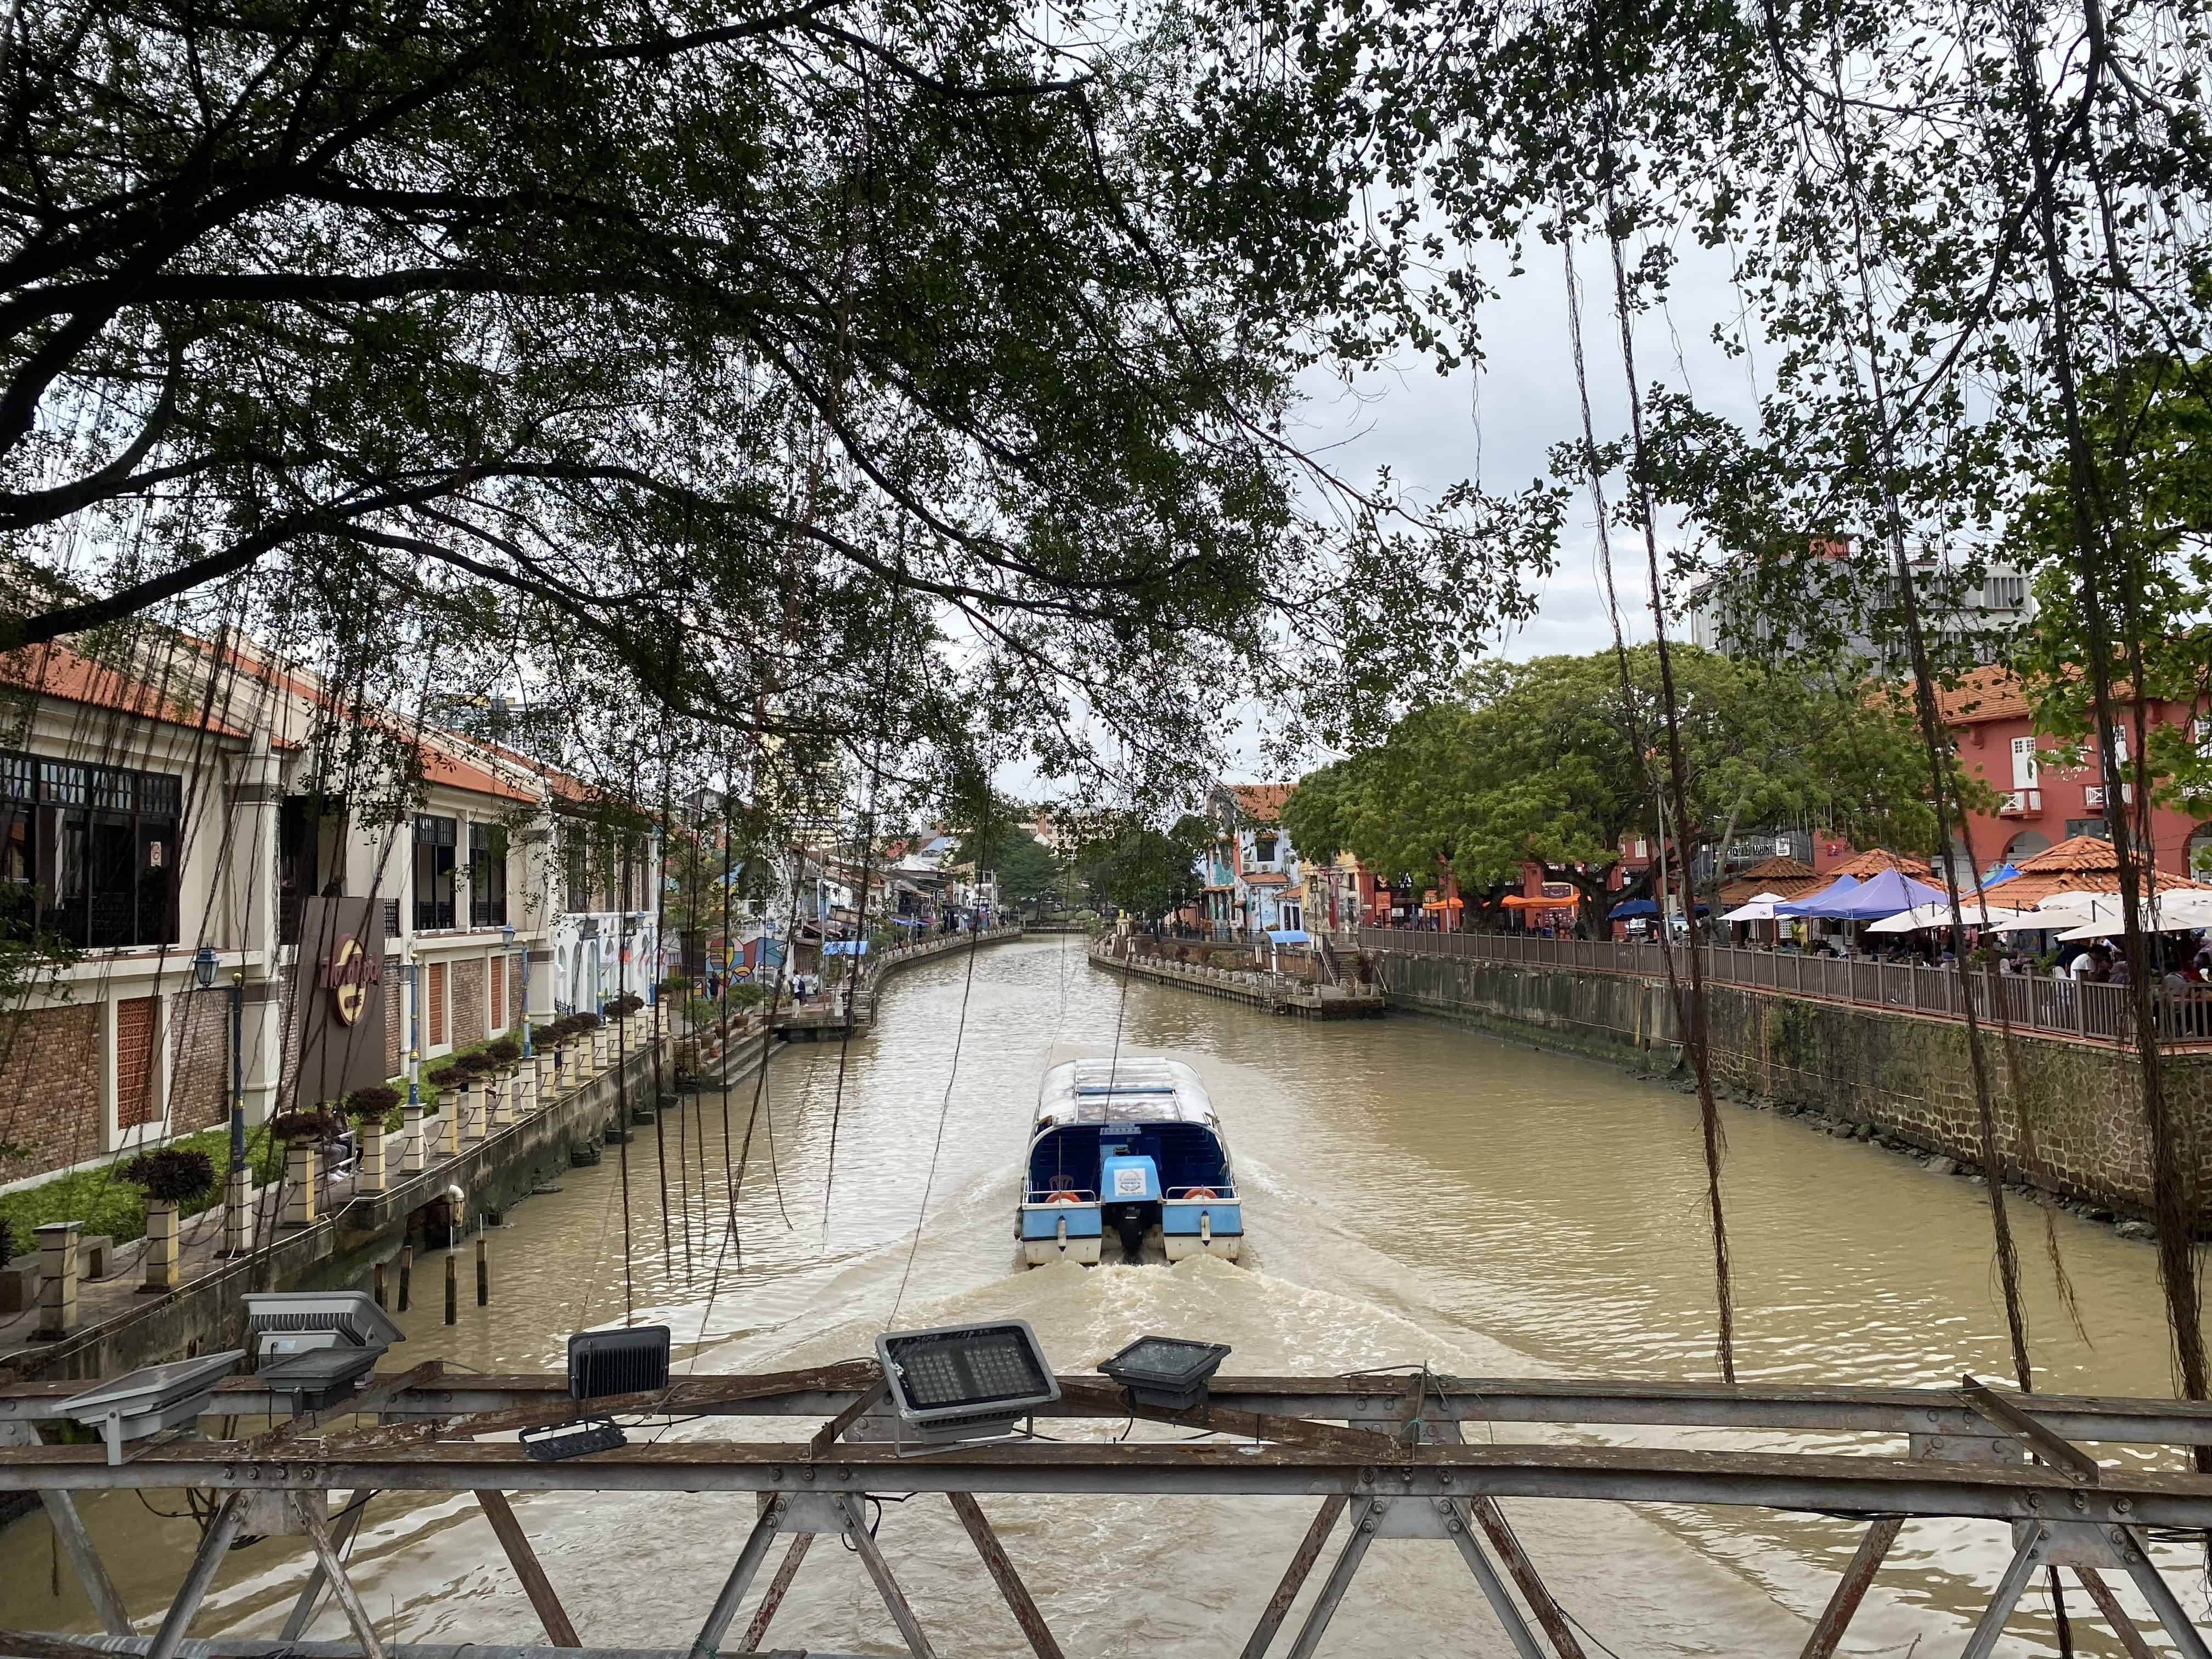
<point x="956" y="1379"/>
<point x="150" y="1399"/>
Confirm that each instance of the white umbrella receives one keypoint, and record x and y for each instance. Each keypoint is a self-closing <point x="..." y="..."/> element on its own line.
<point x="1760" y="906"/>
<point x="1939" y="916"/>
<point x="2175" y="912"/>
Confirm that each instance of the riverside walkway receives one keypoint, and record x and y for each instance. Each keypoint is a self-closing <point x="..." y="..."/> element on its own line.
<point x="2048" y="1006"/>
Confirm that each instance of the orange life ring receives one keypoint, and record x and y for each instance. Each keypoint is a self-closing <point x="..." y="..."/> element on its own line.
<point x="1064" y="1196"/>
<point x="1198" y="1192"/>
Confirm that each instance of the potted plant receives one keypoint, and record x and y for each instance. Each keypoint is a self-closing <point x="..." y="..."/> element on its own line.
<point x="302" y="1134"/>
<point x="170" y="1178"/>
<point x="371" y="1109"/>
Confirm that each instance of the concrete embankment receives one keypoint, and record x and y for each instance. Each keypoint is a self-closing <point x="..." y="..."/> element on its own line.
<point x="2070" y="1112"/>
<point x="341" y="1250"/>
<point x="1280" y="993"/>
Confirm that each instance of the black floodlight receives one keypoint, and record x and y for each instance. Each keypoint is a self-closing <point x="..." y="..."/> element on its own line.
<point x="1166" y="1371"/>
<point x="286" y="1322"/>
<point x="317" y="1376"/>
<point x="153" y="1398"/>
<point x="961" y="1382"/>
<point x="631" y="1361"/>
<point x="551" y="1444"/>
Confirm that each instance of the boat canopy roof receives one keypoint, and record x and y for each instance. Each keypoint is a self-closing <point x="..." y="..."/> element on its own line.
<point x="1123" y="1090"/>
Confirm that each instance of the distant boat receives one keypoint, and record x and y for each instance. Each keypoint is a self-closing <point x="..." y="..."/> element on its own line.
<point x="1133" y="1145"/>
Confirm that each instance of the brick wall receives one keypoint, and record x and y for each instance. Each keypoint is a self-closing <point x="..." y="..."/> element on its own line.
<point x="468" y="1001"/>
<point x="49" y="1089"/>
<point x="395" y="1018"/>
<point x="2069" y="1114"/>
<point x="200" y="1060"/>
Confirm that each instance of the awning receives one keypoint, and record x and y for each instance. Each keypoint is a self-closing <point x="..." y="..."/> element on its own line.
<point x="1643" y="907"/>
<point x="1878" y="896"/>
<point x="845" y="947"/>
<point x="1444" y="904"/>
<point x="1536" y="901"/>
<point x="1289" y="936"/>
<point x="1758" y="907"/>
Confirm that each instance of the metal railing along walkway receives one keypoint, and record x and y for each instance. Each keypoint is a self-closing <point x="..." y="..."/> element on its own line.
<point x="2031" y="1002"/>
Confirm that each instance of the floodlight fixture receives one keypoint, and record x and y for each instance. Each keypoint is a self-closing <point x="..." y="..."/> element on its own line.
<point x="966" y="1382"/>
<point x="169" y="1396"/>
<point x="633" y="1360"/>
<point x="285" y="1323"/>
<point x="316" y="1377"/>
<point x="1166" y="1371"/>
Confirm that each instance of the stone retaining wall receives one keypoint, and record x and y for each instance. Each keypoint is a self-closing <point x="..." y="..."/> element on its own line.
<point x="2069" y="1114"/>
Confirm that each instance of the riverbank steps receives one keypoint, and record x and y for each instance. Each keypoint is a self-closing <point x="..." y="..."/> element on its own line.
<point x="2070" y="1112"/>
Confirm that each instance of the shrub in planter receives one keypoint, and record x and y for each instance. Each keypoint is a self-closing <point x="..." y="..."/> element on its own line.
<point x="301" y="1128"/>
<point x="449" y="1077"/>
<point x="505" y="1052"/>
<point x="674" y="986"/>
<point x="374" y="1104"/>
<point x="749" y="996"/>
<point x="586" y="1023"/>
<point x="168" y="1176"/>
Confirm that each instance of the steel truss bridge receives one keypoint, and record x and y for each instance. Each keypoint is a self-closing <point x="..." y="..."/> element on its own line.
<point x="1384" y="1457"/>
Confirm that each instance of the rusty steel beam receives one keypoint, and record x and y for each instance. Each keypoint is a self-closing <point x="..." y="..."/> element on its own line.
<point x="828" y="1435"/>
<point x="771" y="1597"/>
<point x="879" y="1573"/>
<point x="1785" y="1480"/>
<point x="1549" y="1613"/>
<point x="1294" y="1576"/>
<point x="1087" y="1397"/>
<point x="309" y="1507"/>
<point x="1850" y="1590"/>
<point x="524" y="1559"/>
<point x="2116" y="1616"/>
<point x="821" y="1391"/>
<point x="1000" y="1566"/>
<point x="311" y="1593"/>
<point x="2011" y="1416"/>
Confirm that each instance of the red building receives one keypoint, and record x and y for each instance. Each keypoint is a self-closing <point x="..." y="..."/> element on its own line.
<point x="2044" y="804"/>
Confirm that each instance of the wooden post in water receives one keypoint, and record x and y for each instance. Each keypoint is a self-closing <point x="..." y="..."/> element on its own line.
<point x="406" y="1272"/>
<point x="452" y="1288"/>
<point x="380" y="1301"/>
<point x="483" y="1272"/>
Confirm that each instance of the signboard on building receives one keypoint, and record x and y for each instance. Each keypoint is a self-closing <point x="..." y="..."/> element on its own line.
<point x="337" y="998"/>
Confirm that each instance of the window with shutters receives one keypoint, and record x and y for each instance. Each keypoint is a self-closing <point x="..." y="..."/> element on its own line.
<point x="435" y="1015"/>
<point x="134" y="1062"/>
<point x="2023" y="762"/>
<point x="495" y="1004"/>
<point x="434" y="871"/>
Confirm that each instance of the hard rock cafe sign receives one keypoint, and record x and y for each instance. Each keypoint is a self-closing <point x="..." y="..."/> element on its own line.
<point x="337" y="992"/>
<point x="348" y="968"/>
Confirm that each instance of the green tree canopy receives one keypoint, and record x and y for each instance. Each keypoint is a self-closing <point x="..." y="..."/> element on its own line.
<point x="1544" y="762"/>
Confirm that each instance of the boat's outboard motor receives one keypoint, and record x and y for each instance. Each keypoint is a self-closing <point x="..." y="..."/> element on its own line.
<point x="1130" y="1186"/>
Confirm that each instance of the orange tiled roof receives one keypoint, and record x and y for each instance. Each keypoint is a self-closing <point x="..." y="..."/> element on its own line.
<point x="2080" y="864"/>
<point x="1267" y="878"/>
<point x="1983" y="694"/>
<point x="1880" y="859"/>
<point x="55" y="671"/>
<point x="1792" y="878"/>
<point x="1262" y="803"/>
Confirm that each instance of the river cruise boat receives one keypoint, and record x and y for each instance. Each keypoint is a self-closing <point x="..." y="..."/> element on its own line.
<point x="1130" y="1147"/>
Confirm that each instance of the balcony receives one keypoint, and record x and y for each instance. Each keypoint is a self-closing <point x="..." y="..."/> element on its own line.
<point x="2092" y="798"/>
<point x="2022" y="804"/>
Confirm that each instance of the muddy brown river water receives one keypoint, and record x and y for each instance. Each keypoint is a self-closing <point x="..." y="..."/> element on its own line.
<point x="1416" y="1193"/>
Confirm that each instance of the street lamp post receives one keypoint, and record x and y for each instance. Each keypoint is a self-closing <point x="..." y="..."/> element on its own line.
<point x="407" y="977"/>
<point x="235" y="1240"/>
<point x="506" y="940"/>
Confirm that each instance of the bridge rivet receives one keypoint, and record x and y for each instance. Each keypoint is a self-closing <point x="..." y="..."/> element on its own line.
<point x="1935" y="1441"/>
<point x="1367" y="1525"/>
<point x="2081" y="1502"/>
<point x="2122" y="1505"/>
<point x="1444" y="1478"/>
<point x="1452" y="1525"/>
<point x="844" y="1472"/>
<point x="1367" y="1477"/>
<point x="775" y="1472"/>
<point x="806" y="1475"/>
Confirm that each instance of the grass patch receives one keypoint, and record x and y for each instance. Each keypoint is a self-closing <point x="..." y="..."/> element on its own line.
<point x="108" y="1203"/>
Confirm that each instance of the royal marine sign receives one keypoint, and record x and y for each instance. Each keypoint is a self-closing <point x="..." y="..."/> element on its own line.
<point x="337" y="998"/>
